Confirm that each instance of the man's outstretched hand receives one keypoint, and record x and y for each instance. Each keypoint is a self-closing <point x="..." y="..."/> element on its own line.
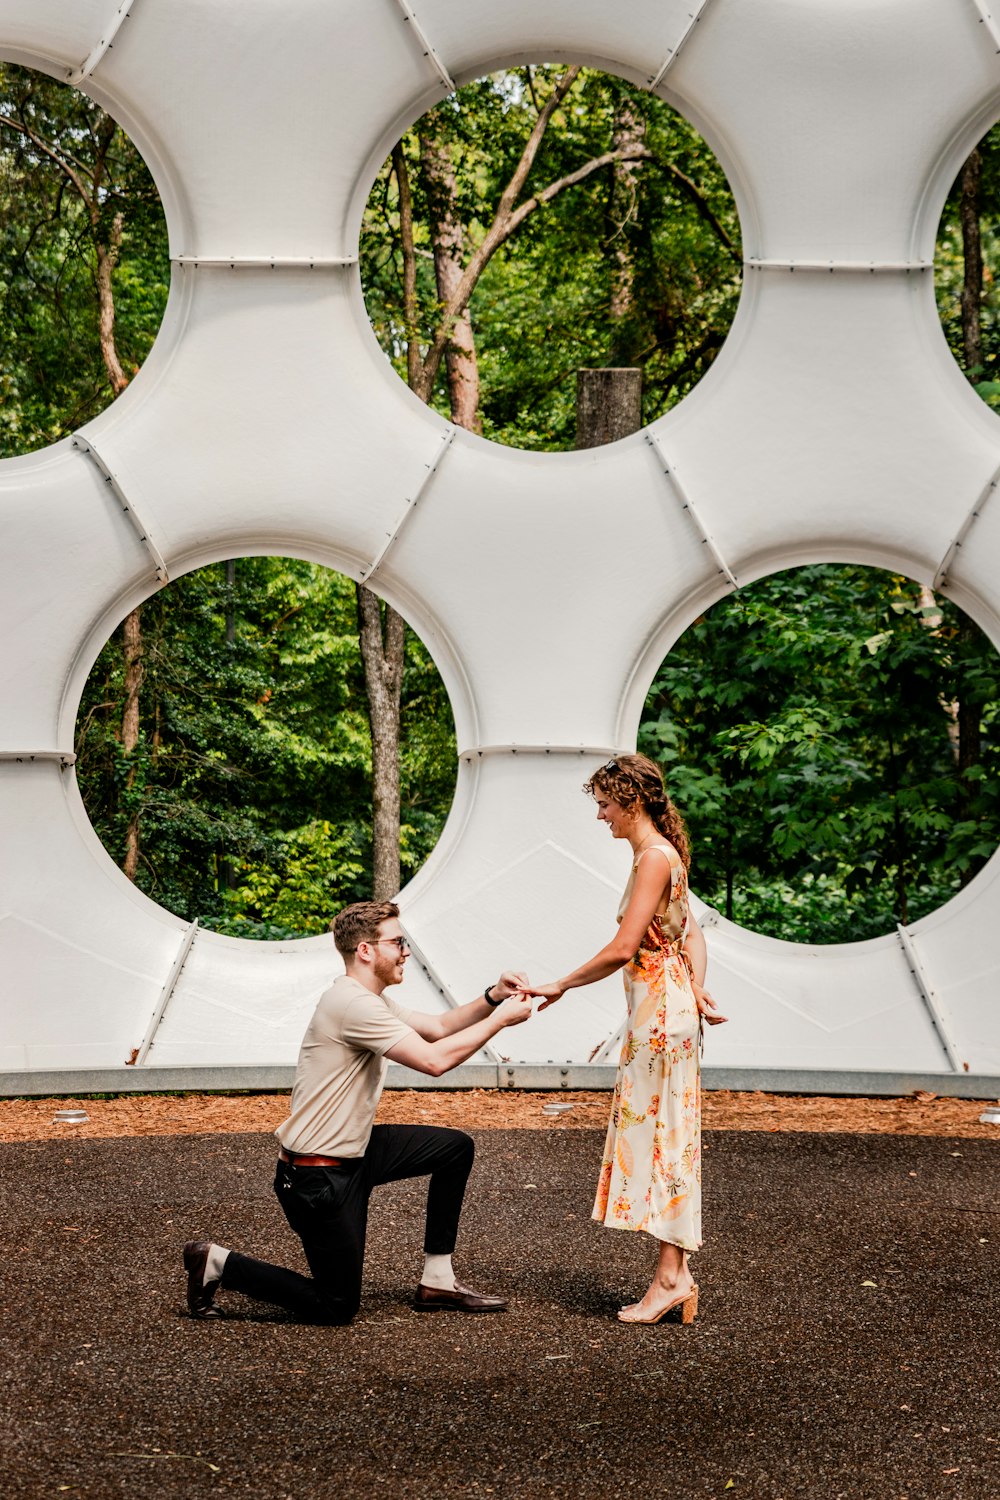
<point x="514" y="1010"/>
<point x="509" y="983"/>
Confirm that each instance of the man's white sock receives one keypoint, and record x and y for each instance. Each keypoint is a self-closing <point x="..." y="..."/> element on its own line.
<point x="438" y="1273"/>
<point x="214" y="1262"/>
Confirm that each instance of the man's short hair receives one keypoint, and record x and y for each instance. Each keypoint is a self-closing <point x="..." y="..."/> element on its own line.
<point x="359" y="923"/>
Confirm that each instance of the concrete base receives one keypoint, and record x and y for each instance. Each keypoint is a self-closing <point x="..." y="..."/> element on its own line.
<point x="479" y="1075"/>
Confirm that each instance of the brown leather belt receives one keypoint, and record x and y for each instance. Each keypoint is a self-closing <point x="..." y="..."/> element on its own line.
<point x="295" y="1159"/>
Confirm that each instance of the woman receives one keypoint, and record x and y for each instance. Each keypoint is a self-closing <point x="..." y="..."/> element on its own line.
<point x="651" y="1173"/>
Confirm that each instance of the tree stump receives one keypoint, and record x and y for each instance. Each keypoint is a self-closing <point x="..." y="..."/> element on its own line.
<point x="608" y="405"/>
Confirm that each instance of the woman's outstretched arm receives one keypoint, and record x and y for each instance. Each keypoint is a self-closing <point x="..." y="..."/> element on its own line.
<point x="652" y="882"/>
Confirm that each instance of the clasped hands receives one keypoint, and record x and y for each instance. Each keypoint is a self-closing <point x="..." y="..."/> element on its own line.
<point x="516" y="992"/>
<point x="518" y="987"/>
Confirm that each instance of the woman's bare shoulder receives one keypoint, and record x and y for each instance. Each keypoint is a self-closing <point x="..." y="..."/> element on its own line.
<point x="665" y="848"/>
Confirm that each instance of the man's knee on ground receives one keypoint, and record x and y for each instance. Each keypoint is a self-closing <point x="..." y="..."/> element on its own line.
<point x="337" y="1312"/>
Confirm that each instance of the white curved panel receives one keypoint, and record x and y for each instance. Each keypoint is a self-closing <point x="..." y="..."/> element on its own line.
<point x="32" y="30"/>
<point x="973" y="566"/>
<point x="514" y="548"/>
<point x="67" y="548"/>
<point x="83" y="955"/>
<point x="533" y="883"/>
<point x="472" y="38"/>
<point x="269" y="423"/>
<point x="239" y="1004"/>
<point x="853" y="1008"/>
<point x="833" y="426"/>
<point x="238" y="1008"/>
<point x="843" y="438"/>
<point x="265" y="114"/>
<point x="836" y="110"/>
<point x="963" y="968"/>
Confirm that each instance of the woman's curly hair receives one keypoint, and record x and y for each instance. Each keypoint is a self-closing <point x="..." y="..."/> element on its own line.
<point x="632" y="779"/>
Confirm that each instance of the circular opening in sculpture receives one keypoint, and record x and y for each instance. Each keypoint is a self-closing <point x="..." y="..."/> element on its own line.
<point x="543" y="221"/>
<point x="224" y="747"/>
<point x="832" y="736"/>
<point x="84" y="262"/>
<point x="967" y="269"/>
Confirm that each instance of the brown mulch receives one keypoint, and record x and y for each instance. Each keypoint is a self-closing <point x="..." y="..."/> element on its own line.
<point x="484" y="1109"/>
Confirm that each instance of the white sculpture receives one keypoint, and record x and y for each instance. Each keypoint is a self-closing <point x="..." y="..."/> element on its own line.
<point x="834" y="426"/>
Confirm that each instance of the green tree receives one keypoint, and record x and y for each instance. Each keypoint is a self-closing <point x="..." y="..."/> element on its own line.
<point x="967" y="267"/>
<point x="84" y="265"/>
<point x="253" y="768"/>
<point x="812" y="730"/>
<point x="532" y="194"/>
<point x="540" y="220"/>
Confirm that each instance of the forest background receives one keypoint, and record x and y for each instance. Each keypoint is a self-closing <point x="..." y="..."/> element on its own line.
<point x="263" y="740"/>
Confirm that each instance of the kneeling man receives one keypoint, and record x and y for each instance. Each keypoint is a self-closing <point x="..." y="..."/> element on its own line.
<point x="332" y="1155"/>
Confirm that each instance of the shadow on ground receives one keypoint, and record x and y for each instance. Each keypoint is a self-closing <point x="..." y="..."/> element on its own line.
<point x="847" y="1344"/>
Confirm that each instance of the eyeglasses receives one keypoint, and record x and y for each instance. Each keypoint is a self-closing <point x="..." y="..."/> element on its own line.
<point x="397" y="942"/>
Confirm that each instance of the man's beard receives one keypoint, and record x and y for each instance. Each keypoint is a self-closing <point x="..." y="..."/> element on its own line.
<point x="385" y="970"/>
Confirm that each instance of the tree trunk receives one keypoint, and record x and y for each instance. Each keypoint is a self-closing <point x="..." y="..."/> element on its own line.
<point x="972" y="281"/>
<point x="382" y="640"/>
<point x="628" y="135"/>
<point x="132" y="640"/>
<point x="230" y="601"/>
<point x="900" y="848"/>
<point x="381" y="631"/>
<point x="505" y="221"/>
<point x="970" y="744"/>
<point x="966" y="726"/>
<point x="608" y="406"/>
<point x="410" y="307"/>
<point x="107" y="259"/>
<point x="448" y="240"/>
<point x="609" y="401"/>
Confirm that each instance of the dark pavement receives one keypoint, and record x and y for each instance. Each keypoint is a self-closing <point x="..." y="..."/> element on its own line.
<point x="797" y="1380"/>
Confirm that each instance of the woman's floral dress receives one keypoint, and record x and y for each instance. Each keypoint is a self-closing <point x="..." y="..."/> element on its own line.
<point x="651" y="1172"/>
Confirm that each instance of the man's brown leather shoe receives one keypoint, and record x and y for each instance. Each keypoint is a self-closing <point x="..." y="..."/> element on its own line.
<point x="462" y="1299"/>
<point x="200" y="1295"/>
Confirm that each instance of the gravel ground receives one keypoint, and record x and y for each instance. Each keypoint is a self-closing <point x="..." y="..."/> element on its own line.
<point x="847" y="1346"/>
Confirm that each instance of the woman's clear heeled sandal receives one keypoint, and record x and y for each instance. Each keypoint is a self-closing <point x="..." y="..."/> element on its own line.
<point x="687" y="1302"/>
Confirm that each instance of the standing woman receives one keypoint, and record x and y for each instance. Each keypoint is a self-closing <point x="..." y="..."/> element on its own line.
<point x="651" y="1172"/>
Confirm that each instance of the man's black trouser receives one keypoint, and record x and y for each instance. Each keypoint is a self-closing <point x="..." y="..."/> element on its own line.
<point x="328" y="1209"/>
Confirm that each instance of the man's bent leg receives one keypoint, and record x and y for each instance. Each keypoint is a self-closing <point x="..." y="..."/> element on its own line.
<point x="398" y="1151"/>
<point x="328" y="1210"/>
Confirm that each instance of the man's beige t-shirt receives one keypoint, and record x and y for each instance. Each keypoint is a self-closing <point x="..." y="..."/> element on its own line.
<point x="341" y="1070"/>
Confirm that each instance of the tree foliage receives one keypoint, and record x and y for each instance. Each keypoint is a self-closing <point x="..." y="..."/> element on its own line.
<point x="543" y="306"/>
<point x="253" y="767"/>
<point x="833" y="736"/>
<point x="973" y="331"/>
<point x="76" y="201"/>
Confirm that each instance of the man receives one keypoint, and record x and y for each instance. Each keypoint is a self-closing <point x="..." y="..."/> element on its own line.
<point x="332" y="1155"/>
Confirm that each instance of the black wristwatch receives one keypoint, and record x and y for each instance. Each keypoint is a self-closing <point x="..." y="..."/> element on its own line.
<point x="486" y="995"/>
